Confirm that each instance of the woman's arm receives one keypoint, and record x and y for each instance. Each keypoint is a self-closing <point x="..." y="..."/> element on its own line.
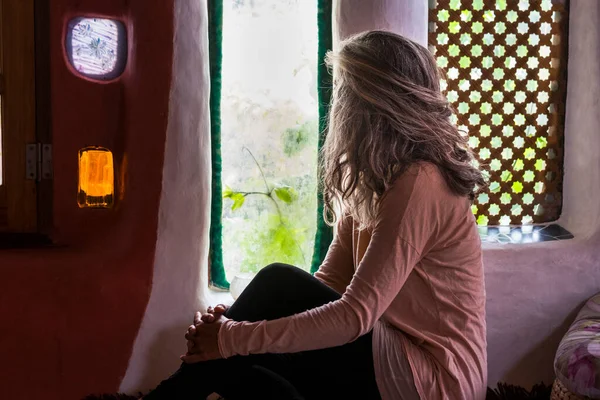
<point x="338" y="267"/>
<point x="409" y="214"/>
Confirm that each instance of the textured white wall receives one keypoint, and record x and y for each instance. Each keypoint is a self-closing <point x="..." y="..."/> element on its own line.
<point x="581" y="210"/>
<point x="180" y="266"/>
<point x="405" y="17"/>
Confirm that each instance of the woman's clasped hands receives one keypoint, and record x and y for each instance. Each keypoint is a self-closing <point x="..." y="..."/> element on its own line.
<point x="203" y="336"/>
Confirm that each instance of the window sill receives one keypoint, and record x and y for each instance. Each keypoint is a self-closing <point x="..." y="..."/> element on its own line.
<point x="523" y="234"/>
<point x="214" y="297"/>
<point x="489" y="235"/>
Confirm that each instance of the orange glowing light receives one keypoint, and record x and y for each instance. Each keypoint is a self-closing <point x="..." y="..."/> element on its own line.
<point x="96" y="178"/>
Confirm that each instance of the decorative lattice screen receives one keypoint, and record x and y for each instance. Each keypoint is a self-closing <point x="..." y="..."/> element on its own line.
<point x="505" y="63"/>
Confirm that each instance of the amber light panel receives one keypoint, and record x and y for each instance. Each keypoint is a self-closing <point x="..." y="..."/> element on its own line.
<point x="96" y="178"/>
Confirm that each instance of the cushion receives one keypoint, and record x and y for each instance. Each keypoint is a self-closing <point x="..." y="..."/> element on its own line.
<point x="577" y="361"/>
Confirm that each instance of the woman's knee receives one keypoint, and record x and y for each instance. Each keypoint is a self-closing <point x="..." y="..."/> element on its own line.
<point x="279" y="272"/>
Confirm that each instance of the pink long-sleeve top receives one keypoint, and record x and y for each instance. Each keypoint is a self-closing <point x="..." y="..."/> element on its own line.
<point x="415" y="279"/>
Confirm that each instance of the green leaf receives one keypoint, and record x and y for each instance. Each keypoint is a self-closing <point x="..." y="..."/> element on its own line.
<point x="540" y="165"/>
<point x="517" y="187"/>
<point x="227" y="193"/>
<point x="238" y="201"/>
<point x="298" y="138"/>
<point x="454" y="27"/>
<point x="455" y="4"/>
<point x="518" y="164"/>
<point x="482" y="220"/>
<point x="541" y="142"/>
<point x="286" y="194"/>
<point x="494" y="187"/>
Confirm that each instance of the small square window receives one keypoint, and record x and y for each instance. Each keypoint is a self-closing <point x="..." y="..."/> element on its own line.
<point x="97" y="47"/>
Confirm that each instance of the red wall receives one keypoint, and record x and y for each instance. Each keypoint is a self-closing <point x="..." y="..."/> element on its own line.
<point x="70" y="314"/>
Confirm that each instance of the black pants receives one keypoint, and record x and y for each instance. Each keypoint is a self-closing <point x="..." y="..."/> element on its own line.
<point x="344" y="372"/>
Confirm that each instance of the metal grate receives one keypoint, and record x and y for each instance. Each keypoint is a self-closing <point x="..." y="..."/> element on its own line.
<point x="505" y="64"/>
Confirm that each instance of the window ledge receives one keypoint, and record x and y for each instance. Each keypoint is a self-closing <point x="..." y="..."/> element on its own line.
<point x="523" y="234"/>
<point x="214" y="297"/>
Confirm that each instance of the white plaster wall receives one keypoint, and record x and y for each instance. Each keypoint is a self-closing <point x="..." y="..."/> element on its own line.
<point x="405" y="17"/>
<point x="581" y="210"/>
<point x="180" y="266"/>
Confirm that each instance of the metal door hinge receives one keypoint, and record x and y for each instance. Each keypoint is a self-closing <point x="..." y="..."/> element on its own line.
<point x="38" y="159"/>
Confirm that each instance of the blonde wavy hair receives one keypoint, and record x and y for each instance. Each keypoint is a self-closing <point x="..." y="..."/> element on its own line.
<point x="387" y="113"/>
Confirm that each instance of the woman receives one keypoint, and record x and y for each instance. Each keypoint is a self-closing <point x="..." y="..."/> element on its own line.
<point x="397" y="310"/>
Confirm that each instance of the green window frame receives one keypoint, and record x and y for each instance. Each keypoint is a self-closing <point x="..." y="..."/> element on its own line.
<point x="324" y="233"/>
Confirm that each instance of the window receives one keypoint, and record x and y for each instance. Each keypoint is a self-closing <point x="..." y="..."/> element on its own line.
<point x="18" y="208"/>
<point x="505" y="64"/>
<point x="269" y="133"/>
<point x="265" y="106"/>
<point x="97" y="47"/>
